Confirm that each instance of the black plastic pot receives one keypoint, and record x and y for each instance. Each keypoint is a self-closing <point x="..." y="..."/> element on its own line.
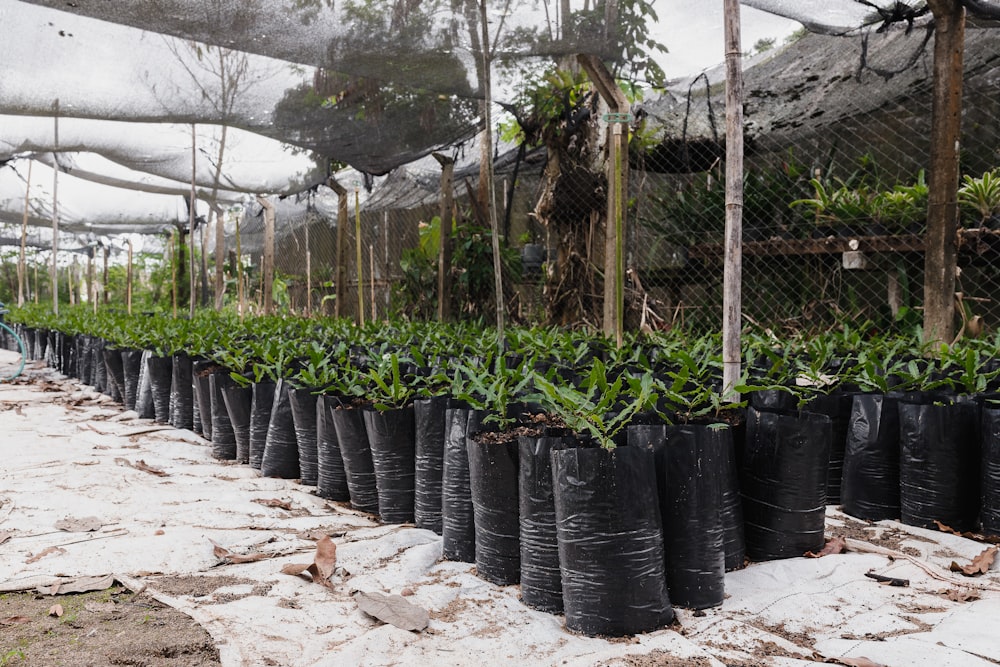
<point x="939" y="466"/>
<point x="870" y="485"/>
<point x="281" y="451"/>
<point x="238" y="400"/>
<point x="182" y="392"/>
<point x="837" y="406"/>
<point x="144" y="396"/>
<point x="303" y="405"/>
<point x="331" y="479"/>
<point x="160" y="374"/>
<point x="84" y="360"/>
<point x="458" y="528"/>
<point x="357" y="455"/>
<point x="202" y="395"/>
<point x="783" y="474"/>
<point x="541" y="581"/>
<point x="990" y="438"/>
<point x="99" y="372"/>
<point x="429" y="436"/>
<point x="260" y="419"/>
<point x="493" y="485"/>
<point x="223" y="435"/>
<point x="610" y="541"/>
<point x="391" y="438"/>
<point x="116" y="372"/>
<point x="131" y="366"/>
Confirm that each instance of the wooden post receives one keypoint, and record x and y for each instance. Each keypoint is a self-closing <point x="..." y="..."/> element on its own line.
<point x="128" y="279"/>
<point x="357" y="243"/>
<point x="733" y="268"/>
<point x="240" y="294"/>
<point x="940" y="258"/>
<point x="104" y="281"/>
<point x="444" y="234"/>
<point x="340" y="248"/>
<point x="371" y="279"/>
<point x="617" y="172"/>
<point x="91" y="281"/>
<point x="267" y="265"/>
<point x="55" y="215"/>
<point x="309" y="300"/>
<point x="220" y="255"/>
<point x="173" y="268"/>
<point x="21" y="266"/>
<point x="191" y="218"/>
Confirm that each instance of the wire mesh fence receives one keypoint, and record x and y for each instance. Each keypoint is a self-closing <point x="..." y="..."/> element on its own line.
<point x="834" y="206"/>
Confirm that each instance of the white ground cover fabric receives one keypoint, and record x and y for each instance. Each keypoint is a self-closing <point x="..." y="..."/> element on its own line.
<point x="68" y="454"/>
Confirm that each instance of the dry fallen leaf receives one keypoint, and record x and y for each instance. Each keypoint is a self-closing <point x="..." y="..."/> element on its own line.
<point x="225" y="554"/>
<point x="56" y="610"/>
<point x="5" y="535"/>
<point x="394" y="610"/>
<point x="273" y="502"/>
<point x="159" y="532"/>
<point x="834" y="545"/>
<point x="14" y="620"/>
<point x="323" y="565"/>
<point x="979" y="565"/>
<point x="993" y="539"/>
<point x="45" y="552"/>
<point x="143" y="466"/>
<point x="962" y="595"/>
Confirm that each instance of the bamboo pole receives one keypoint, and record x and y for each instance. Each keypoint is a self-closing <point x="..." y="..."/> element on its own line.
<point x="371" y="280"/>
<point x="357" y="244"/>
<point x="128" y="279"/>
<point x="21" y="266"/>
<point x="191" y="217"/>
<point x="104" y="280"/>
<point x="240" y="294"/>
<point x="309" y="300"/>
<point x="733" y="268"/>
<point x="173" y="269"/>
<point x="487" y="169"/>
<point x="91" y="280"/>
<point x="55" y="215"/>
<point x="340" y="270"/>
<point x="267" y="263"/>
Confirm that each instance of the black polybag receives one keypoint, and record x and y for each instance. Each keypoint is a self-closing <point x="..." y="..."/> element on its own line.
<point x="690" y="472"/>
<point x="303" y="405"/>
<point x="870" y="485"/>
<point x="541" y="581"/>
<point x="182" y="393"/>
<point x="837" y="406"/>
<point x="610" y="541"/>
<point x="116" y="373"/>
<point x="458" y="528"/>
<point x="223" y="436"/>
<point x="357" y="456"/>
<point x="237" y="399"/>
<point x="331" y="479"/>
<point x="493" y="486"/>
<point x="429" y="435"/>
<point x="144" y="392"/>
<point x="260" y="419"/>
<point x="990" y="437"/>
<point x="939" y="465"/>
<point x="202" y="395"/>
<point x="99" y="371"/>
<point x="391" y="438"/>
<point x="783" y="482"/>
<point x="131" y="366"/>
<point x="281" y="451"/>
<point x="160" y="374"/>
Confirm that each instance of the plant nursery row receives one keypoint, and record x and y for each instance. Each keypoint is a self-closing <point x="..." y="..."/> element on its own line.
<point x="611" y="483"/>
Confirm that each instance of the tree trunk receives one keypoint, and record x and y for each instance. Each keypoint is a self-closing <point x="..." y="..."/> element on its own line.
<point x="940" y="258"/>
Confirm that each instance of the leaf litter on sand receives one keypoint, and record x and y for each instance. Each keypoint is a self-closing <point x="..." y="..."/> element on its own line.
<point x="323" y="565"/>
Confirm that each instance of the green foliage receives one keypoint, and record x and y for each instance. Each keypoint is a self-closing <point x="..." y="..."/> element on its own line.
<point x="979" y="198"/>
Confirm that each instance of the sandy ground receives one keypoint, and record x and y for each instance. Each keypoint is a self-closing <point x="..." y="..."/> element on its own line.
<point x="87" y="489"/>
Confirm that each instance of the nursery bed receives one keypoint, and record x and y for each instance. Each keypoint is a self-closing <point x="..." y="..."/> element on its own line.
<point x="161" y="503"/>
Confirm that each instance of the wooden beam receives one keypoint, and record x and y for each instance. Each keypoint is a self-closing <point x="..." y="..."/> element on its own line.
<point x="267" y="265"/>
<point x="604" y="81"/>
<point x="827" y="246"/>
<point x="340" y="270"/>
